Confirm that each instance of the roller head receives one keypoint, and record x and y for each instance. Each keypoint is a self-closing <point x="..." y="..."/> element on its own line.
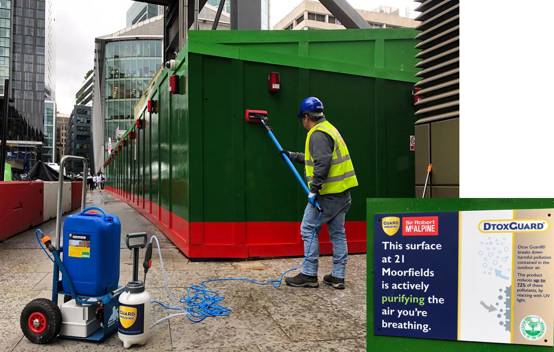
<point x="256" y="116"/>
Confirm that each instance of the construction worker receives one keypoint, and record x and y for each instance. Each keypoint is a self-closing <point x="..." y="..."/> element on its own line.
<point x="330" y="175"/>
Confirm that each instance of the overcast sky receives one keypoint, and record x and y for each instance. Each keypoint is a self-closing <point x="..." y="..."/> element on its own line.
<point x="78" y="22"/>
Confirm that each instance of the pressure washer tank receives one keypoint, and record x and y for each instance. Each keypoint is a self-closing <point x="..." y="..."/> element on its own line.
<point x="91" y="244"/>
<point x="134" y="315"/>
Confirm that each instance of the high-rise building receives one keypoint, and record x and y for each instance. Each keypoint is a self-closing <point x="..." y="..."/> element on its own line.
<point x="78" y="139"/>
<point x="49" y="139"/>
<point x="141" y="11"/>
<point x="124" y="64"/>
<point x="5" y="41"/>
<point x="310" y="14"/>
<point x="25" y="35"/>
<point x="84" y="94"/>
<point x="62" y="121"/>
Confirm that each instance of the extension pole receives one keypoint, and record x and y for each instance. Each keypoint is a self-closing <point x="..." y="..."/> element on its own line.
<point x="287" y="160"/>
<point x="429" y="169"/>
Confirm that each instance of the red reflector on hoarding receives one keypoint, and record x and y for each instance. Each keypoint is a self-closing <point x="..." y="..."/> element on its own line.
<point x="139" y="123"/>
<point x="274" y="82"/>
<point x="152" y="106"/>
<point x="173" y="84"/>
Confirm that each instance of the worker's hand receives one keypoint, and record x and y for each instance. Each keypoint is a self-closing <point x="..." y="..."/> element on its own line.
<point x="312" y="199"/>
<point x="285" y="152"/>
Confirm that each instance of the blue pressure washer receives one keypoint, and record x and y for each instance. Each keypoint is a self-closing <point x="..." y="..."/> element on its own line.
<point x="84" y="303"/>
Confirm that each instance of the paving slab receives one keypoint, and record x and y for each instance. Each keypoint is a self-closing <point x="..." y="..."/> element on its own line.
<point x="263" y="318"/>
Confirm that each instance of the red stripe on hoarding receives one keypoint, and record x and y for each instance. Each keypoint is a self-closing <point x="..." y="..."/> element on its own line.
<point x="240" y="239"/>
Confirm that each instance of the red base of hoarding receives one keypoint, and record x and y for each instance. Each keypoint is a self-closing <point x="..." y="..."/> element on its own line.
<point x="253" y="239"/>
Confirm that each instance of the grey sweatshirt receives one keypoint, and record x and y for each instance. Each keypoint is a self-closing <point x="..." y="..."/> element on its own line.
<point x="321" y="149"/>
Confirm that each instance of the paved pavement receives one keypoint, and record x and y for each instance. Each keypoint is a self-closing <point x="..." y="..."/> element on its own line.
<point x="262" y="318"/>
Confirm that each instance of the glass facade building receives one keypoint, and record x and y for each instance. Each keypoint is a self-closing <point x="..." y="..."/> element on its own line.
<point x="48" y="141"/>
<point x="141" y="11"/>
<point x="5" y="41"/>
<point x="129" y="65"/>
<point x="27" y="69"/>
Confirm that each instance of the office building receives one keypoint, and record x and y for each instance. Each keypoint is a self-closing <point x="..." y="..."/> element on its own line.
<point x="62" y="121"/>
<point x="49" y="138"/>
<point x="84" y="94"/>
<point x="310" y="14"/>
<point x="437" y="99"/>
<point x="124" y="64"/>
<point x="78" y="139"/>
<point x="26" y="58"/>
<point x="141" y="11"/>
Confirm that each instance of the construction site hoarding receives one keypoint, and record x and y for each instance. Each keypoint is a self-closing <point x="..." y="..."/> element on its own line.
<point x="216" y="185"/>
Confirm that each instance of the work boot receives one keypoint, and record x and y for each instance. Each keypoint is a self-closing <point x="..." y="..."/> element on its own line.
<point x="334" y="281"/>
<point x="302" y="280"/>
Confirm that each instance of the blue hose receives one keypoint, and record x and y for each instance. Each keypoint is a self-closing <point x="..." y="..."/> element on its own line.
<point x="200" y="303"/>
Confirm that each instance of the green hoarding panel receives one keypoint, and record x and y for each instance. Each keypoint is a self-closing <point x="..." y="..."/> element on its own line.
<point x="212" y="179"/>
<point x="417" y="205"/>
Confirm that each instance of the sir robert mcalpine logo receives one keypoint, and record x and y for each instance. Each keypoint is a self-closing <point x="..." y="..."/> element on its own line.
<point x="420" y="226"/>
<point x="513" y="225"/>
<point x="390" y="225"/>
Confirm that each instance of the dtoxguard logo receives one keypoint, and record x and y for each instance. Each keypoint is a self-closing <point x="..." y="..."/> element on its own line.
<point x="511" y="225"/>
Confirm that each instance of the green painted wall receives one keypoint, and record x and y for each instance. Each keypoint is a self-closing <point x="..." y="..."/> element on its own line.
<point x="407" y="205"/>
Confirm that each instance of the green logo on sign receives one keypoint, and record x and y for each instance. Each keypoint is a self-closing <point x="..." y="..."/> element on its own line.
<point x="532" y="327"/>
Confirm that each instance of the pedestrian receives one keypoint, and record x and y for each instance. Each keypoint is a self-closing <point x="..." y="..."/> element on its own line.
<point x="90" y="182"/>
<point x="102" y="179"/>
<point x="95" y="181"/>
<point x="330" y="175"/>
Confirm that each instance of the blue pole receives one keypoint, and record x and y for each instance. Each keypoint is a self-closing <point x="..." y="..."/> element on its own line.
<point x="288" y="161"/>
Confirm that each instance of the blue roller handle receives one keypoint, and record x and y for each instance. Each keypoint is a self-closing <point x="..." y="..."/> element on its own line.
<point x="288" y="161"/>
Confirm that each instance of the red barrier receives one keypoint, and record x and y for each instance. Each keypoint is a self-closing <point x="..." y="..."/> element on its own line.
<point x="21" y="206"/>
<point x="76" y="191"/>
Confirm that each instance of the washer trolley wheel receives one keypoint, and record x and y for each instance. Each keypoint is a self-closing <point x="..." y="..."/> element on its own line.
<point x="41" y="320"/>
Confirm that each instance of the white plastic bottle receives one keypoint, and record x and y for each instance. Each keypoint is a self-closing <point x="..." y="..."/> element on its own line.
<point x="134" y="315"/>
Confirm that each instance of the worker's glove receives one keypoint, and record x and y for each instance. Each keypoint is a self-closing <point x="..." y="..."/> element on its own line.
<point x="312" y="199"/>
<point x="285" y="152"/>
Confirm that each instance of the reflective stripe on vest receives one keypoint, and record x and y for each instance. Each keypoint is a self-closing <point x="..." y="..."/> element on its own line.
<point x="341" y="173"/>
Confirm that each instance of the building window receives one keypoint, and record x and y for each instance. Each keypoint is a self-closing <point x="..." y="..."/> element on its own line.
<point x="332" y="19"/>
<point x="311" y="16"/>
<point x="319" y="17"/>
<point x="300" y="19"/>
<point x="289" y="27"/>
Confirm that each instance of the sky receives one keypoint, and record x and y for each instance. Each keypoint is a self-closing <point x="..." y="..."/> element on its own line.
<point x="78" y="22"/>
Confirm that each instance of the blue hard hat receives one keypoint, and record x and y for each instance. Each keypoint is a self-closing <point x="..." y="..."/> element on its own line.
<point x="312" y="106"/>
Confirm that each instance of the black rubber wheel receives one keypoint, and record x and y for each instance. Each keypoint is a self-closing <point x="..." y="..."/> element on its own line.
<point x="41" y="321"/>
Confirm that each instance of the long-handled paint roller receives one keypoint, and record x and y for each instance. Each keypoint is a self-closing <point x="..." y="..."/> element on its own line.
<point x="261" y="117"/>
<point x="429" y="170"/>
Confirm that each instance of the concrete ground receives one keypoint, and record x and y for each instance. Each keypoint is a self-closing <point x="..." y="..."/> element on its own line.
<point x="262" y="318"/>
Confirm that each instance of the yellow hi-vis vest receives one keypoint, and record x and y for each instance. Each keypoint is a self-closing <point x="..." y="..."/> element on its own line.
<point x="341" y="173"/>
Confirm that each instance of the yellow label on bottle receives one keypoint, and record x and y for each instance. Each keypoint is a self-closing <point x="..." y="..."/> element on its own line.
<point x="127" y="316"/>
